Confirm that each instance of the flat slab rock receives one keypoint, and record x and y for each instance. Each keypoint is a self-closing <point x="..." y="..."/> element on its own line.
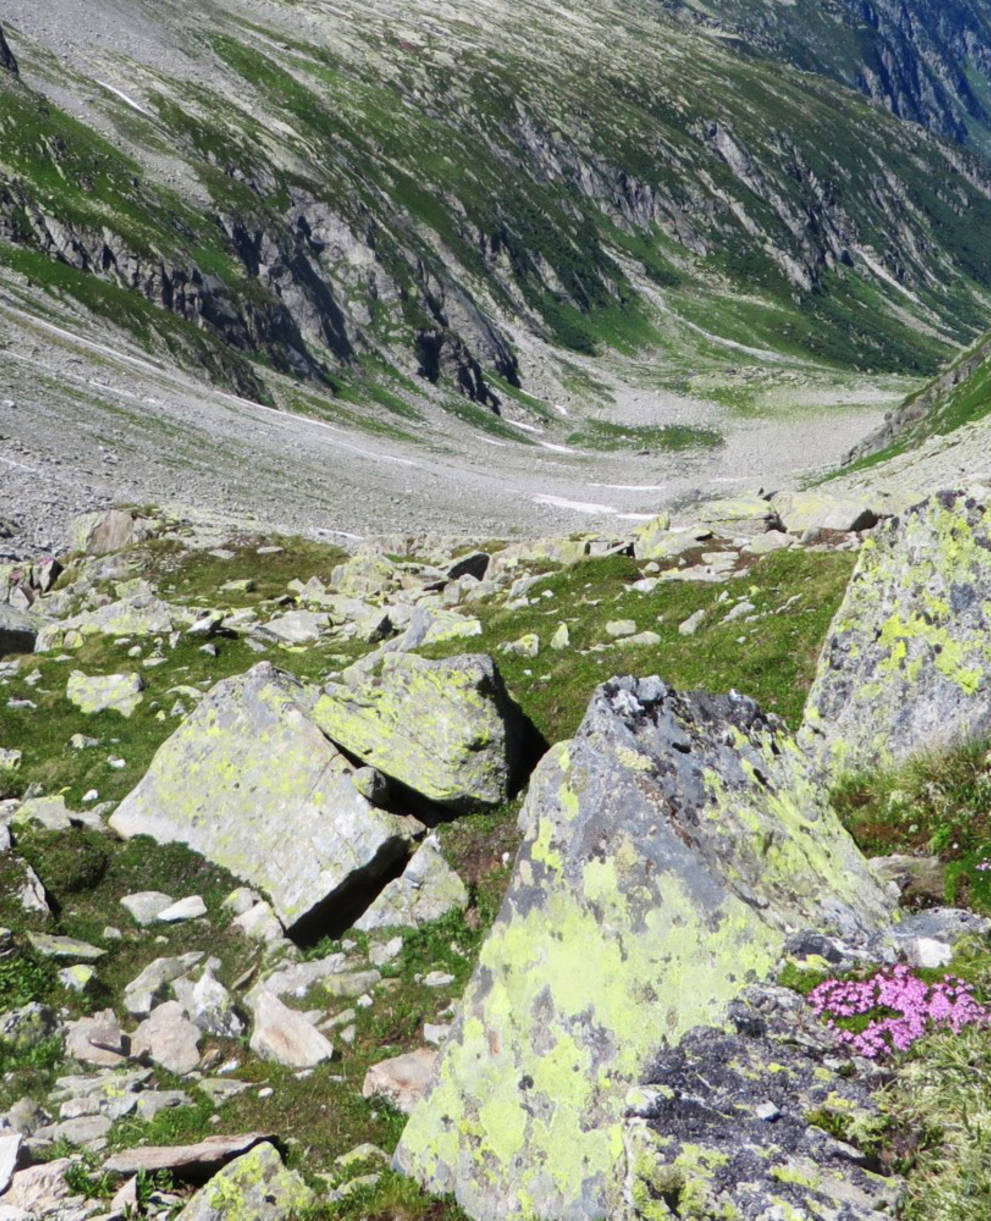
<point x="250" y="782"/>
<point x="668" y="851"/>
<point x="187" y="1161"/>
<point x="907" y="663"/>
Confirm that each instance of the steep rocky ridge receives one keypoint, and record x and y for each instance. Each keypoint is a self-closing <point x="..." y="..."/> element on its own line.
<point x="342" y="187"/>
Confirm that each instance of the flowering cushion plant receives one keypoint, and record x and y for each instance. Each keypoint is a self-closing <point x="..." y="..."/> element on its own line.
<point x="899" y="1007"/>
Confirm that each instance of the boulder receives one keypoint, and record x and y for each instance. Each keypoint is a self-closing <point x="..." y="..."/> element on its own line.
<point x="255" y="1185"/>
<point x="168" y="1038"/>
<point x="447" y="729"/>
<point x="669" y="850"/>
<point x="102" y="533"/>
<point x="138" y="615"/>
<point x="428" y="889"/>
<point x="907" y="663"/>
<point x="741" y="516"/>
<point x="18" y="631"/>
<point x="102" y="692"/>
<point x="816" y="510"/>
<point x="10" y="1151"/>
<point x="250" y="782"/>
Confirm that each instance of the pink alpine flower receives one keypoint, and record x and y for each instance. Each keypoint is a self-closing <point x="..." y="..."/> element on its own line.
<point x="903" y="1009"/>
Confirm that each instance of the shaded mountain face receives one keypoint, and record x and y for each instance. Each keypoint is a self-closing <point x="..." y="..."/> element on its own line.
<point x="926" y="60"/>
<point x="321" y="189"/>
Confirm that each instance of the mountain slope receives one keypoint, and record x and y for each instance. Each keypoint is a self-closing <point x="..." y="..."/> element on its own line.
<point x="926" y="60"/>
<point x="325" y="189"/>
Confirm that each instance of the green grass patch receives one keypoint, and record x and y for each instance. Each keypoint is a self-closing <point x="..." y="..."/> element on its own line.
<point x="936" y="803"/>
<point x="772" y="659"/>
<point x="668" y="438"/>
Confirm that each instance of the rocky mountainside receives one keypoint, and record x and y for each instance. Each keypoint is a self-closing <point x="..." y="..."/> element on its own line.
<point x="960" y="395"/>
<point x="320" y="191"/>
<point x="926" y="60"/>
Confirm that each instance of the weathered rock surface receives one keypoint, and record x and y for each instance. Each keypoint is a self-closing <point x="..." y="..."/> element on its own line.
<point x="249" y="781"/>
<point x="428" y="889"/>
<point x="907" y="664"/>
<point x="255" y="1185"/>
<point x="669" y="850"/>
<point x="447" y="729"/>
<point x="721" y="1124"/>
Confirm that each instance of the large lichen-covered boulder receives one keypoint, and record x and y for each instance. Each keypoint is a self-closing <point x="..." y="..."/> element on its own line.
<point x="907" y="663"/>
<point x="669" y="850"/>
<point x="250" y="782"/>
<point x="446" y="729"/>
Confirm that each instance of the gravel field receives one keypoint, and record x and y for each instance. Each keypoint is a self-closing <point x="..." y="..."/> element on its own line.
<point x="85" y="421"/>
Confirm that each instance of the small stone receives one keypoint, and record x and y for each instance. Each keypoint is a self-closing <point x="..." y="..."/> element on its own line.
<point x="561" y="638"/>
<point x="52" y="946"/>
<point x="691" y="625"/>
<point x="435" y="1033"/>
<point x="438" y="979"/>
<point x="144" y="906"/>
<point x="76" y="978"/>
<point x="79" y="741"/>
<point x="618" y="628"/>
<point x="526" y="646"/>
<point x="190" y="908"/>
<point x="401" y="1080"/>
<point x="767" y="1111"/>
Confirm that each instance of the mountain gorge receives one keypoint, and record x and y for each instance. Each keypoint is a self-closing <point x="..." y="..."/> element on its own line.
<point x="336" y="191"/>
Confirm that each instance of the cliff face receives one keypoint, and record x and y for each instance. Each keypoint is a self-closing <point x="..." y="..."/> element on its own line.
<point x="316" y="191"/>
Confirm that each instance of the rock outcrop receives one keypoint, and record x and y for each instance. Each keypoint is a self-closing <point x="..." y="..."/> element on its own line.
<point x="907" y="663"/>
<point x="249" y="781"/>
<point x="669" y="850"/>
<point x="7" y="61"/>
